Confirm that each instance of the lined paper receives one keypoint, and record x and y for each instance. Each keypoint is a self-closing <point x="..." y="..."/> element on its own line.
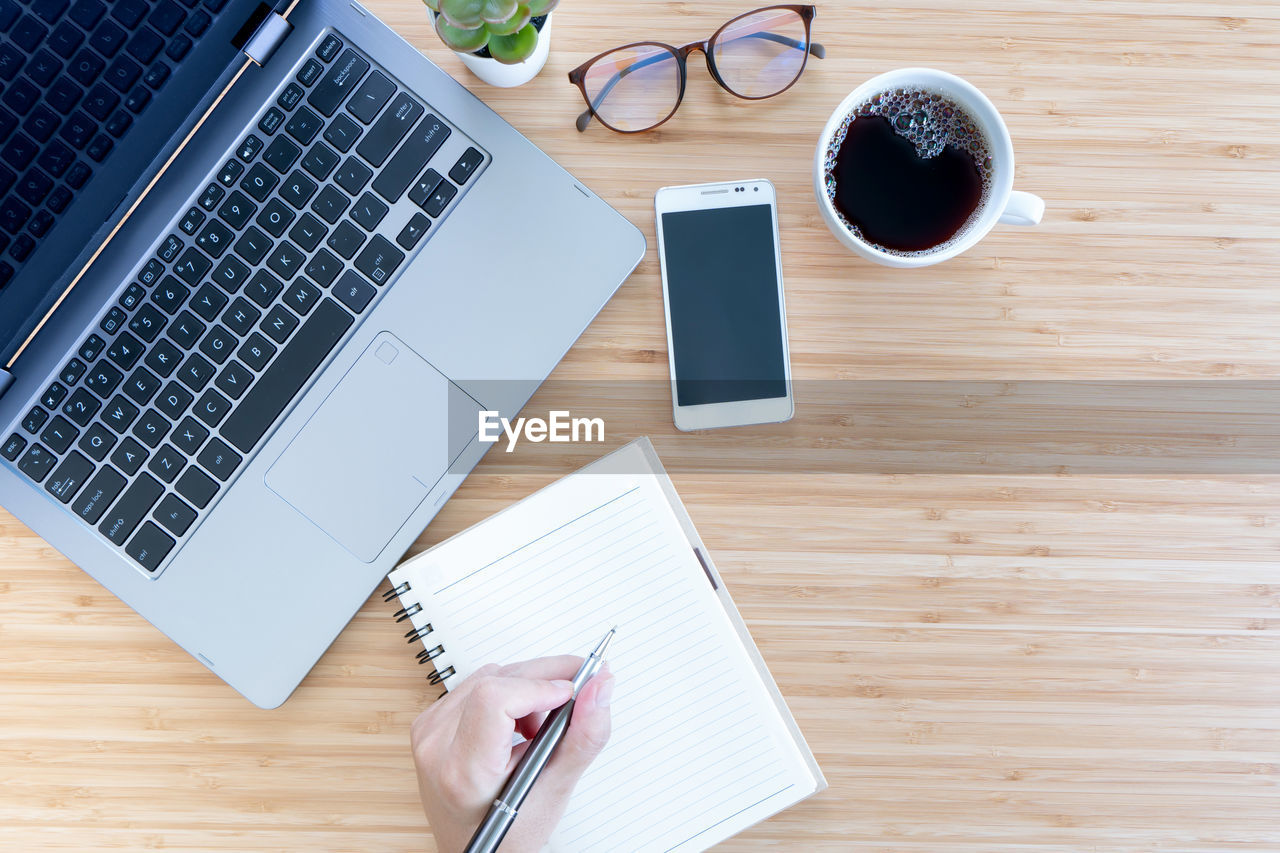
<point x="699" y="750"/>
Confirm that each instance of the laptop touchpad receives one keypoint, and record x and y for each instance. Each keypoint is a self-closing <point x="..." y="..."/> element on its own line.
<point x="376" y="447"/>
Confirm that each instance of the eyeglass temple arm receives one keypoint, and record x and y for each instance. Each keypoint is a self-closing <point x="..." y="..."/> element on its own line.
<point x="585" y="119"/>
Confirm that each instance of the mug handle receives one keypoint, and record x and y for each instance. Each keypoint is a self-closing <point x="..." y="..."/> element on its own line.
<point x="1022" y="209"/>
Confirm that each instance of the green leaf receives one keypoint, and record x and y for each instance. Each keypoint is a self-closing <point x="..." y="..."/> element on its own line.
<point x="542" y="7"/>
<point x="463" y="14"/>
<point x="515" y="48"/>
<point x="498" y="11"/>
<point x="433" y="5"/>
<point x="513" y="24"/>
<point x="461" y="40"/>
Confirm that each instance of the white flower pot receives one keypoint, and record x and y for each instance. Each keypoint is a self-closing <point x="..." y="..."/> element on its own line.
<point x="503" y="76"/>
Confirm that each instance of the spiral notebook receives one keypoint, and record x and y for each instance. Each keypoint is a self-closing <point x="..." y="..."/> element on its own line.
<point x="703" y="744"/>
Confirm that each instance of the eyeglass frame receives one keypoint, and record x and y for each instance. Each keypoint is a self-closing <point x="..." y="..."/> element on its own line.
<point x="578" y="75"/>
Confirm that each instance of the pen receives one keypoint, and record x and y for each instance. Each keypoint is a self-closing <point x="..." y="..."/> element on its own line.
<point x="504" y="809"/>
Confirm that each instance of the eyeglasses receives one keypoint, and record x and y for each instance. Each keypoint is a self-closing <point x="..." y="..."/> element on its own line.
<point x="639" y="86"/>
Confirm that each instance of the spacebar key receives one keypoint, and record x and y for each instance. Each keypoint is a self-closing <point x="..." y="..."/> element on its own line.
<point x="290" y="371"/>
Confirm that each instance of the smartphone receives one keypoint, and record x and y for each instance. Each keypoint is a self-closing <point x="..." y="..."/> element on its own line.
<point x="726" y="316"/>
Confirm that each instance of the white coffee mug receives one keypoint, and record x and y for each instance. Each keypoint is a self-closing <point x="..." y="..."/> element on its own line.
<point x="1002" y="204"/>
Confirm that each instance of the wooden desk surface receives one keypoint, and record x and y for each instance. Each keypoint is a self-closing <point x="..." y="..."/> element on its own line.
<point x="998" y="662"/>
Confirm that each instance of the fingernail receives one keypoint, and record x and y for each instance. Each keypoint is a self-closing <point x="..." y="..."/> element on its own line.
<point x="605" y="693"/>
<point x="562" y="684"/>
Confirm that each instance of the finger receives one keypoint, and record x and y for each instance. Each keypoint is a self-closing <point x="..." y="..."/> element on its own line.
<point x="586" y="736"/>
<point x="491" y="708"/>
<point x="559" y="666"/>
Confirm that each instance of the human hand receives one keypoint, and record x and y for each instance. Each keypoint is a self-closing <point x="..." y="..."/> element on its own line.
<point x="463" y="754"/>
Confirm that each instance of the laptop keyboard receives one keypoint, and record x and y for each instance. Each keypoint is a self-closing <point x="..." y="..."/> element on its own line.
<point x="295" y="235"/>
<point x="74" y="75"/>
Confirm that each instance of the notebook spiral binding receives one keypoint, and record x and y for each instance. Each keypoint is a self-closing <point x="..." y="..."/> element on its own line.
<point x="418" y="634"/>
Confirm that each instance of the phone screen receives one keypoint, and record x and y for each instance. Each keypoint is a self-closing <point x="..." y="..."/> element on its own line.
<point x="722" y="291"/>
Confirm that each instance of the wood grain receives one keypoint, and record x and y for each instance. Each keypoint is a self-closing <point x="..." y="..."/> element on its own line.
<point x="999" y="661"/>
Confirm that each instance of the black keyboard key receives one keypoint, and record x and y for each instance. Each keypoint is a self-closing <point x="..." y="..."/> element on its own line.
<point x="107" y="39"/>
<point x="263" y="287"/>
<point x="132" y="507"/>
<point x="352" y="175"/>
<point x="328" y="48"/>
<point x="129" y="12"/>
<point x="156" y="75"/>
<point x="132" y="296"/>
<point x="34" y="419"/>
<point x="412" y="232"/>
<point x="98" y="149"/>
<point x="278" y="385"/>
<point x="66" y="481"/>
<point x="195" y="372"/>
<point x="302" y="296"/>
<point x="259" y="182"/>
<point x="119" y="414"/>
<point x="125" y="350"/>
<point x="81" y="407"/>
<point x="353" y="291"/>
<point x="338" y="83"/>
<point x="198" y="23"/>
<point x="320" y="160"/>
<point x="237" y="209"/>
<point x="43" y="67"/>
<point x="174" y="400"/>
<point x="72" y="372"/>
<point x="211" y="196"/>
<point x="286" y="260"/>
<point x="197" y="487"/>
<point x="97" y="441"/>
<point x="129" y="456"/>
<point x="232" y="170"/>
<point x="190" y="223"/>
<point x="37" y="462"/>
<point x="189" y="436"/>
<point x="123" y="73"/>
<point x="170" y="248"/>
<point x="22" y="247"/>
<point x="304" y="125"/>
<point x="145" y="45"/>
<point x="309" y="73"/>
<point x="256" y="351"/>
<point x="53" y="395"/>
<point x="34" y="186"/>
<point x="77" y="130"/>
<point x="63" y="95"/>
<point x="371" y="97"/>
<point x="219" y="459"/>
<point x="169" y="295"/>
<point x="278" y="324"/>
<point x="151" y="428"/>
<point x="14" y="214"/>
<point x="87" y="13"/>
<point x="297" y="189"/>
<point x="167" y="17"/>
<point x="174" y="515"/>
<point x="330" y="204"/>
<point x="466" y="166"/>
<point x="21" y="97"/>
<point x="218" y="344"/>
<point x="308" y="232"/>
<point x="241" y="316"/>
<point x="9" y="12"/>
<point x="281" y="154"/>
<point x="342" y="133"/>
<point x="28" y="33"/>
<point x="98" y="495"/>
<point x="253" y="245"/>
<point x="421" y="145"/>
<point x="233" y="380"/>
<point x="212" y="407"/>
<point x="100" y="101"/>
<point x="50" y="10"/>
<point x="290" y="97"/>
<point x="275" y="217"/>
<point x="167" y="463"/>
<point x="215" y="239"/>
<point x="186" y="330"/>
<point x="346" y="240"/>
<point x="387" y="132"/>
<point x="12" y="447"/>
<point x="424" y="187"/>
<point x="59" y="199"/>
<point x="92" y="346"/>
<point x="41" y="123"/>
<point x="59" y="434"/>
<point x="208" y="301"/>
<point x="271" y="121"/>
<point x="249" y="148"/>
<point x="103" y="379"/>
<point x="11" y="61"/>
<point x="141" y="386"/>
<point x="178" y="47"/>
<point x="324" y="268"/>
<point x="440" y="198"/>
<point x="150" y="546"/>
<point x="368" y="211"/>
<point x="163" y="358"/>
<point x="56" y="158"/>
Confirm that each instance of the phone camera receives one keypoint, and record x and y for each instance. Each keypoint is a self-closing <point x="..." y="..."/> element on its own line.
<point x="757" y="189"/>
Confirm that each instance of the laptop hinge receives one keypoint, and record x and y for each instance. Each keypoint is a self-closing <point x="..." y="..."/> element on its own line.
<point x="269" y="35"/>
<point x="6" y="379"/>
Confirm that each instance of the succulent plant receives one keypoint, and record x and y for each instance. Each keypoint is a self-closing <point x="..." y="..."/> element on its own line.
<point x="503" y="26"/>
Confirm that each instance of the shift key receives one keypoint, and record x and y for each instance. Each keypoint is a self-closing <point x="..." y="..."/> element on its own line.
<point x="387" y="131"/>
<point x="421" y="146"/>
<point x="131" y="509"/>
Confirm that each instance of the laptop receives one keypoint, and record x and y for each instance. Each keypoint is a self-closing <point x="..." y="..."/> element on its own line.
<point x="260" y="270"/>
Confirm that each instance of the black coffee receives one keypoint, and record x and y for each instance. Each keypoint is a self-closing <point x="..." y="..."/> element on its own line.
<point x="907" y="170"/>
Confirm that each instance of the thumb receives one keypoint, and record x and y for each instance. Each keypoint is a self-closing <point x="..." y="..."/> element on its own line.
<point x="588" y="732"/>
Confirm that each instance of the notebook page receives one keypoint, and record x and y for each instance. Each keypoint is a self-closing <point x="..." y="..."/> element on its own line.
<point x="699" y="751"/>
